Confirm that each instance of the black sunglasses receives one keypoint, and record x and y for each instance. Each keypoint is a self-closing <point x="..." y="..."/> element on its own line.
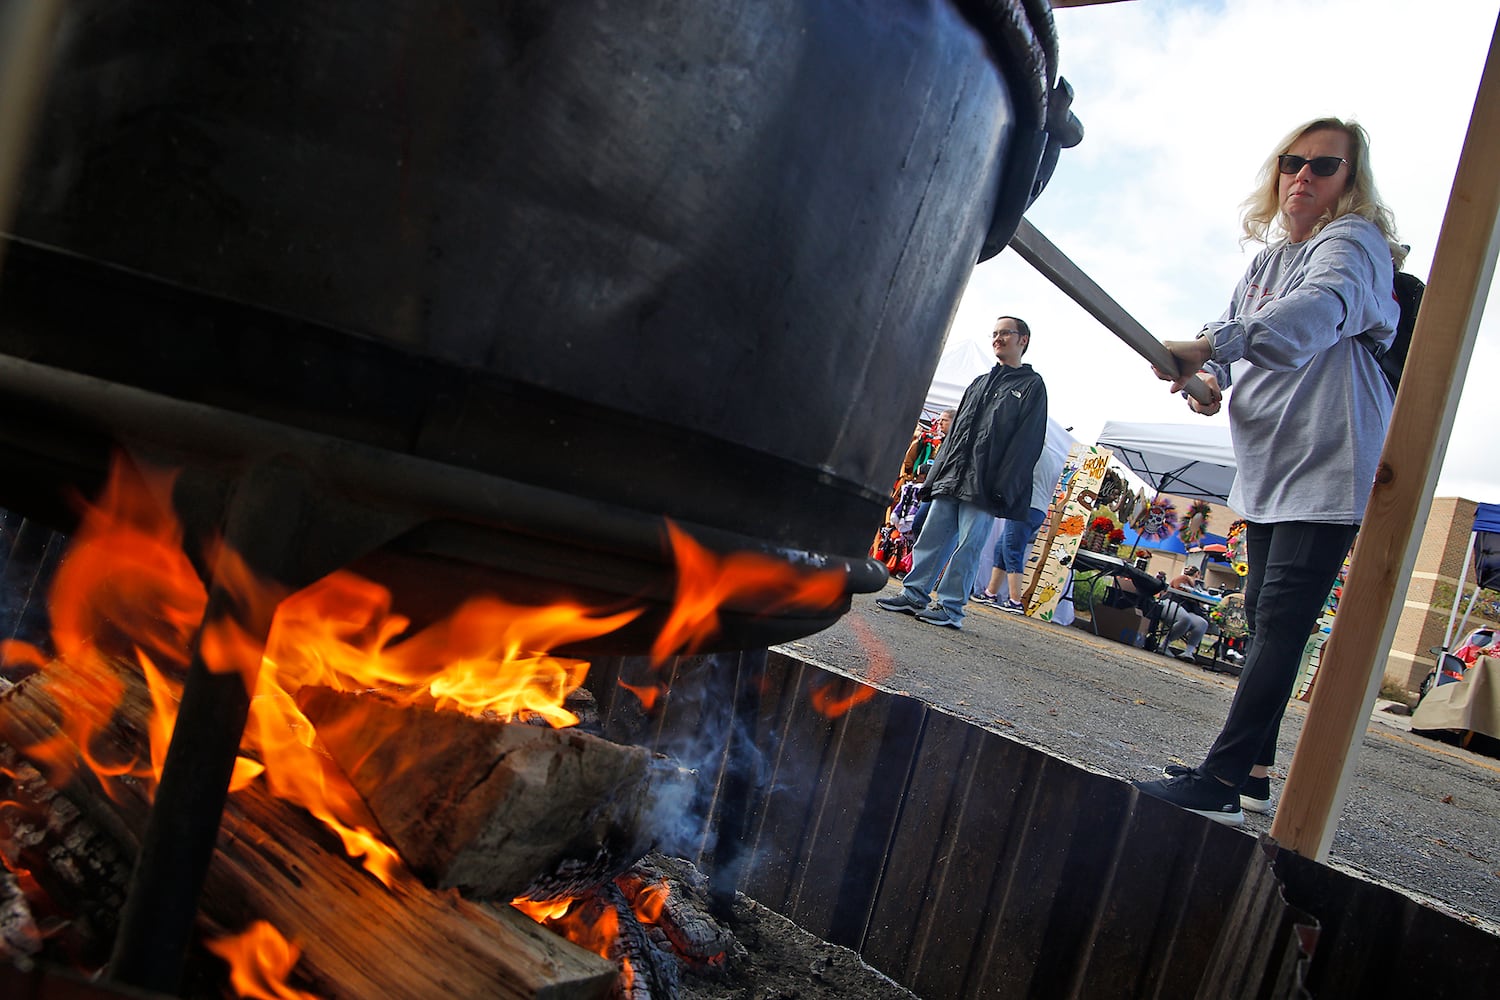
<point x="1322" y="166"/>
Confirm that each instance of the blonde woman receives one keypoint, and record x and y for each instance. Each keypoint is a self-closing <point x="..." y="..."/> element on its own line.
<point x="1308" y="411"/>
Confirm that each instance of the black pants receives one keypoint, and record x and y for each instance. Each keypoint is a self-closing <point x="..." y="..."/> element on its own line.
<point x="1293" y="566"/>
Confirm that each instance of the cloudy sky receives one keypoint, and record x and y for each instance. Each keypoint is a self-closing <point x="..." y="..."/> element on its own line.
<point x="1181" y="100"/>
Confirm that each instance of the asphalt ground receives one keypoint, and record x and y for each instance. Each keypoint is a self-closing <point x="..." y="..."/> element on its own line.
<point x="1422" y="815"/>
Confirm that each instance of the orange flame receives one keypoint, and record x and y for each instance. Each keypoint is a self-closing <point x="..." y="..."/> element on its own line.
<point x="835" y="697"/>
<point x="590" y="923"/>
<point x="706" y="583"/>
<point x="128" y="591"/>
<point x="260" y="961"/>
<point x="647" y="693"/>
<point x="650" y="902"/>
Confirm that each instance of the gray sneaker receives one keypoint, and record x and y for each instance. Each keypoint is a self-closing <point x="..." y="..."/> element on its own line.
<point x="899" y="603"/>
<point x="938" y="615"/>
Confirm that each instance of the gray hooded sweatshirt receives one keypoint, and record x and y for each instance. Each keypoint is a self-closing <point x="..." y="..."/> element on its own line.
<point x="1310" y="406"/>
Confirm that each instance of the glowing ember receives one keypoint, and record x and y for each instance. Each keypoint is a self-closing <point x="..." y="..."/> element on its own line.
<point x="260" y="961"/>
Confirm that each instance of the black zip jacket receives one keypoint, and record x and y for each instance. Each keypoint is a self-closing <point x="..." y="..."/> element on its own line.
<point x="994" y="443"/>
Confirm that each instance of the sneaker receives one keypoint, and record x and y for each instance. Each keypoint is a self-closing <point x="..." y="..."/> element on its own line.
<point x="899" y="603"/>
<point x="984" y="597"/>
<point x="1255" y="793"/>
<point x="1188" y="656"/>
<point x="1014" y="607"/>
<point x="1197" y="793"/>
<point x="938" y="615"/>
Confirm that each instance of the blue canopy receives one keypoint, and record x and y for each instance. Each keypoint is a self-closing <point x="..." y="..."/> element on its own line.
<point x="1487" y="517"/>
<point x="1172" y="543"/>
<point x="1487" y="545"/>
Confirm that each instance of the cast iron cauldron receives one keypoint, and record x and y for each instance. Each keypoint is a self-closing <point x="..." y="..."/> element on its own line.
<point x="681" y="258"/>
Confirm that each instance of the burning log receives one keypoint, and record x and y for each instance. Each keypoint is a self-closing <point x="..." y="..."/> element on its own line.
<point x="19" y="935"/>
<point x="657" y="923"/>
<point x="680" y="918"/>
<point x="358" y="938"/>
<point x="496" y="810"/>
<point x="77" y="874"/>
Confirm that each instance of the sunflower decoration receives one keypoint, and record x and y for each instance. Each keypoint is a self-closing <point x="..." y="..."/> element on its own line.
<point x="1195" y="525"/>
<point x="1158" y="519"/>
<point x="1235" y="543"/>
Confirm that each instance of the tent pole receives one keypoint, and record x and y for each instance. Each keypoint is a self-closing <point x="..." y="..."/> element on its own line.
<point x="1465" y="623"/>
<point x="1463" y="578"/>
<point x="1351" y="669"/>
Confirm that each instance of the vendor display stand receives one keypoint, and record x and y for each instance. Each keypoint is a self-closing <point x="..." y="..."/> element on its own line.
<point x="1051" y="559"/>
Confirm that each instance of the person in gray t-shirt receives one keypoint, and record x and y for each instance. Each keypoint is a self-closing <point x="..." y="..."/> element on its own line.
<point x="1307" y="414"/>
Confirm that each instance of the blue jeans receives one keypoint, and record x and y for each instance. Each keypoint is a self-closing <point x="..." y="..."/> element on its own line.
<point x="953" y="537"/>
<point x="1293" y="566"/>
<point x="1010" y="547"/>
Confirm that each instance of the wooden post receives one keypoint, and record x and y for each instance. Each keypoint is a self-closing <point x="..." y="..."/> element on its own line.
<point x="1352" y="665"/>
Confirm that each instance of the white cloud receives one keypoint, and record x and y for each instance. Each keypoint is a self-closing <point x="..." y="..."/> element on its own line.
<point x="1180" y="102"/>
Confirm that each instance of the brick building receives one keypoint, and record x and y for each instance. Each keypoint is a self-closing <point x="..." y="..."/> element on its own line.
<point x="1440" y="561"/>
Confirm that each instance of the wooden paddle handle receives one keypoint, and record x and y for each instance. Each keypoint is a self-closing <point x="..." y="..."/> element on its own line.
<point x="1040" y="253"/>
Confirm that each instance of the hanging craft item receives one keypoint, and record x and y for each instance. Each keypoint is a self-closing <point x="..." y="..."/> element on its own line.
<point x="1111" y="488"/>
<point x="1236" y="548"/>
<point x="1159" y="519"/>
<point x="1126" y="506"/>
<point x="1195" y="525"/>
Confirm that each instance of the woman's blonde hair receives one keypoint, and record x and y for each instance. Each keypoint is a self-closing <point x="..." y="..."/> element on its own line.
<point x="1262" y="219"/>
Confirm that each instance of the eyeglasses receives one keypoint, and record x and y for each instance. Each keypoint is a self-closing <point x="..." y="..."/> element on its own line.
<point x="1322" y="166"/>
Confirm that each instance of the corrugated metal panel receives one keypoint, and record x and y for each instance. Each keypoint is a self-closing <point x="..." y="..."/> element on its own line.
<point x="964" y="864"/>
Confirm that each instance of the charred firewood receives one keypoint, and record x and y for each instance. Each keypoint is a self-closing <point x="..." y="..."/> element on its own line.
<point x="496" y="810"/>
<point x="358" y="938"/>
<point x="77" y="874"/>
<point x="19" y="936"/>
<point x="653" y="972"/>
<point x="676" y="906"/>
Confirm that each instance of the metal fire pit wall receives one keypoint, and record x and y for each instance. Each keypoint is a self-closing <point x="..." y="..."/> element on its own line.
<point x="964" y="864"/>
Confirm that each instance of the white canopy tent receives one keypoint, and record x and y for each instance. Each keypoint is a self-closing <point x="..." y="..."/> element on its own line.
<point x="961" y="364"/>
<point x="1193" y="461"/>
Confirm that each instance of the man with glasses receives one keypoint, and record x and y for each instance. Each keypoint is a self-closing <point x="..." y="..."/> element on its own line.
<point x="982" y="471"/>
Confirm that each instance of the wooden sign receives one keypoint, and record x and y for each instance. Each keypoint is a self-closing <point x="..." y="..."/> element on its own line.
<point x="1073" y="501"/>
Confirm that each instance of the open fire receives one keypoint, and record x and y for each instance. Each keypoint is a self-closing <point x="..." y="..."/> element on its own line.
<point x="130" y="592"/>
